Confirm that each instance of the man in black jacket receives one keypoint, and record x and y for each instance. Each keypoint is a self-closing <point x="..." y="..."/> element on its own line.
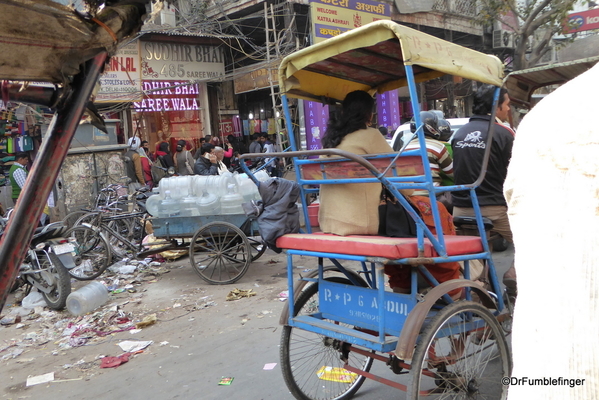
<point x="468" y="146"/>
<point x="206" y="164"/>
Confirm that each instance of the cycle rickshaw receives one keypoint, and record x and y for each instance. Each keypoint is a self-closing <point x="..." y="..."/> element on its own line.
<point x="339" y="321"/>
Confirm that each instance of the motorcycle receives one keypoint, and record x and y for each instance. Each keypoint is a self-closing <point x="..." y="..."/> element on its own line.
<point x="46" y="265"/>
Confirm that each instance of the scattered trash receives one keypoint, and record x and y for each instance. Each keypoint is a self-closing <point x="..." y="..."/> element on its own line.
<point x="10" y="320"/>
<point x="176" y="305"/>
<point x="21" y="311"/>
<point x="255" y="284"/>
<point x="336" y="374"/>
<point x="36" y="380"/>
<point x="284" y="294"/>
<point x="163" y="343"/>
<point x="237" y="294"/>
<point x="225" y="381"/>
<point x="113" y="362"/>
<point x="131" y="346"/>
<point x="147" y="321"/>
<point x="269" y="366"/>
<point x="127" y="269"/>
<point x="117" y="291"/>
<point x="33" y="299"/>
<point x="134" y="331"/>
<point x="243" y="321"/>
<point x="87" y="298"/>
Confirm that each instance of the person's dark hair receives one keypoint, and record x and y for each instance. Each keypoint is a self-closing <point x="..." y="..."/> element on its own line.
<point x="383" y="130"/>
<point x="231" y="139"/>
<point x="483" y="99"/>
<point x="163" y="147"/>
<point x="144" y="142"/>
<point x="255" y="136"/>
<point x="356" y="111"/>
<point x="206" y="148"/>
<point x="21" y="154"/>
<point x="202" y="140"/>
<point x="264" y="135"/>
<point x="181" y="145"/>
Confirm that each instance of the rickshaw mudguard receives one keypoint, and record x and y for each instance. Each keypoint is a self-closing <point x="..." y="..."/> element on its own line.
<point x="413" y="325"/>
<point x="300" y="284"/>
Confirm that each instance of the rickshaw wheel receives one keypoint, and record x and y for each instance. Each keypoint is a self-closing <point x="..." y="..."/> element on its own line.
<point x="461" y="353"/>
<point x="303" y="354"/>
<point x="258" y="248"/>
<point x="220" y="253"/>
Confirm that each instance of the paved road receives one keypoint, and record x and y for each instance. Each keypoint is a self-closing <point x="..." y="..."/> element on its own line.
<point x="230" y="339"/>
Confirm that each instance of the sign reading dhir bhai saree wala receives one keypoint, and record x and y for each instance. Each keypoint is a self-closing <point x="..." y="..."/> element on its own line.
<point x="333" y="17"/>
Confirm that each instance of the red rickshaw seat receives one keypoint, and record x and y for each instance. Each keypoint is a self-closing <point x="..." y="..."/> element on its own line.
<point x="376" y="246"/>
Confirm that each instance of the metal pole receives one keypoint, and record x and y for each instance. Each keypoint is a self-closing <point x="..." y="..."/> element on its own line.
<point x="29" y="207"/>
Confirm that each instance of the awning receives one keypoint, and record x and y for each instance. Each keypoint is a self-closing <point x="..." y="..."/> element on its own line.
<point x="41" y="40"/>
<point x="371" y="58"/>
<point x="521" y="84"/>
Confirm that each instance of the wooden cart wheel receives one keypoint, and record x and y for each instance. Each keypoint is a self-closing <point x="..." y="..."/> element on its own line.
<point x="220" y="253"/>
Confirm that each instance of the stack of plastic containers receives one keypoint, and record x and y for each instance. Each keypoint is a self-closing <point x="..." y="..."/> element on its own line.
<point x="197" y="195"/>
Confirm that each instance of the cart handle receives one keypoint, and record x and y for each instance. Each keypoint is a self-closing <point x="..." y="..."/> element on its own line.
<point x="306" y="153"/>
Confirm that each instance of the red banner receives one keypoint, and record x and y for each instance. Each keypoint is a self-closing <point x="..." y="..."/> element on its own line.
<point x="582" y="21"/>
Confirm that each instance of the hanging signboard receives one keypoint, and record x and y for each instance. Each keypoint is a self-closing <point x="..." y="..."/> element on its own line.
<point x="316" y="118"/>
<point x="387" y="107"/>
<point x="121" y="81"/>
<point x="169" y="96"/>
<point x="333" y="17"/>
<point x="174" y="61"/>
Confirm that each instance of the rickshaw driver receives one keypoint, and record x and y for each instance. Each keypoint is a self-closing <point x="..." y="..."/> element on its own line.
<point x="468" y="151"/>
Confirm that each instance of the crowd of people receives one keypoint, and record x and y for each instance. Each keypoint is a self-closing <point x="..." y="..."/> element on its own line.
<point x="214" y="156"/>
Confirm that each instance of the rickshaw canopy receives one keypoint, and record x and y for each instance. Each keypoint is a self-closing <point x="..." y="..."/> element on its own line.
<point x="41" y="40"/>
<point x="522" y="84"/>
<point x="372" y="58"/>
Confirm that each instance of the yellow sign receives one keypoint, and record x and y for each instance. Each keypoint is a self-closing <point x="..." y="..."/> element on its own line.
<point x="331" y="18"/>
<point x="255" y="80"/>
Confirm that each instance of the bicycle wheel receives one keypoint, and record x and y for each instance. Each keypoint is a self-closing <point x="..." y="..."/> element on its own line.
<point x="304" y="354"/>
<point x="257" y="247"/>
<point x="71" y="219"/>
<point x="93" y="253"/>
<point x="220" y="253"/>
<point x="53" y="280"/>
<point x="119" y="247"/>
<point x="462" y="353"/>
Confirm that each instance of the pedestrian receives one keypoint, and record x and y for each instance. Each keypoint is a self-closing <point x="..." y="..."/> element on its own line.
<point x="219" y="152"/>
<point x="198" y="152"/>
<point x="468" y="146"/>
<point x="146" y="166"/>
<point x="207" y="163"/>
<point x="133" y="166"/>
<point x="552" y="194"/>
<point x="18" y="174"/>
<point x="183" y="160"/>
<point x="146" y="147"/>
<point x="163" y="154"/>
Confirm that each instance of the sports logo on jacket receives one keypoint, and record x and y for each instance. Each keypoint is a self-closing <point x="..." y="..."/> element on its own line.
<point x="472" y="139"/>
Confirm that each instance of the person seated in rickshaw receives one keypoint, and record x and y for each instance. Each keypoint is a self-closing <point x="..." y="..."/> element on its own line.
<point x="353" y="209"/>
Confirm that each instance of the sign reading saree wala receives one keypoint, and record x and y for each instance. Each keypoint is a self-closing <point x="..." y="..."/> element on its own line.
<point x="169" y="96"/>
<point x="316" y="118"/>
<point x="387" y="107"/>
<point x="333" y="17"/>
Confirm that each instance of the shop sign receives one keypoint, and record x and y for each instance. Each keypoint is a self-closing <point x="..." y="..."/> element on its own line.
<point x="333" y="17"/>
<point x="255" y="80"/>
<point x="170" y="61"/>
<point x="226" y="127"/>
<point x="121" y="80"/>
<point x="582" y="21"/>
<point x="387" y="108"/>
<point x="316" y="118"/>
<point x="168" y="96"/>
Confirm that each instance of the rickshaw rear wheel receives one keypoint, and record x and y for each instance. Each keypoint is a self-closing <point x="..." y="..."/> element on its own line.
<point x="462" y="352"/>
<point x="258" y="247"/>
<point x="304" y="353"/>
<point x="220" y="253"/>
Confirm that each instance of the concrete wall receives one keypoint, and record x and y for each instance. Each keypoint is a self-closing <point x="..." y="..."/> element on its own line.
<point x="82" y="175"/>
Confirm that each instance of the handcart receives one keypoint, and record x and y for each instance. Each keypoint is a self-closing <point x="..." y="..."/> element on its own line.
<point x="338" y="320"/>
<point x="221" y="247"/>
